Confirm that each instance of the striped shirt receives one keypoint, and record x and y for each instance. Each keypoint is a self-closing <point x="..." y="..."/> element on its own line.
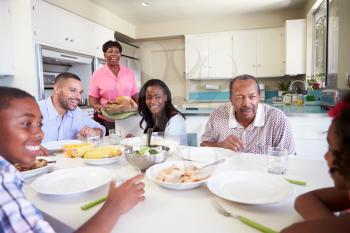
<point x="17" y="214"/>
<point x="269" y="128"/>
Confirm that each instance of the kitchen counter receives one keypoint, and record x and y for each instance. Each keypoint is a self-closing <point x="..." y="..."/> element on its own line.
<point x="289" y="110"/>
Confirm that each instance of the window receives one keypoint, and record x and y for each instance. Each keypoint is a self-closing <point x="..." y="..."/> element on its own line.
<point x="320" y="53"/>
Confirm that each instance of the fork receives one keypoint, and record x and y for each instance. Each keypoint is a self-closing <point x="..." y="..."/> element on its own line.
<point x="244" y="220"/>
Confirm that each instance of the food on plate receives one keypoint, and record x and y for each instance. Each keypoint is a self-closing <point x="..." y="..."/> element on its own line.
<point x="146" y="150"/>
<point x="38" y="164"/>
<point x="77" y="150"/>
<point x="103" y="152"/>
<point x="89" y="151"/>
<point x="178" y="174"/>
<point x="121" y="104"/>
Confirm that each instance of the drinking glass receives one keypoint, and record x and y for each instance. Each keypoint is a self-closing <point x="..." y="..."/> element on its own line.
<point x="94" y="137"/>
<point x="277" y="158"/>
<point x="114" y="136"/>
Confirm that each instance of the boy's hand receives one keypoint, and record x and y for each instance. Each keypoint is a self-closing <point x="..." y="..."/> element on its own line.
<point x="127" y="195"/>
<point x="43" y="151"/>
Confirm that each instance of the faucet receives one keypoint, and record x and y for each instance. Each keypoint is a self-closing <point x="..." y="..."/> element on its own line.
<point x="291" y="87"/>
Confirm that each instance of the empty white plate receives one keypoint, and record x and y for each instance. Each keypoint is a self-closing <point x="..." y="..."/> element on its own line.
<point x="205" y="154"/>
<point x="72" y="180"/>
<point x="250" y="187"/>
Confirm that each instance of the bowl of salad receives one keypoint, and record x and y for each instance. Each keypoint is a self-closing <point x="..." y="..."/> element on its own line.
<point x="143" y="157"/>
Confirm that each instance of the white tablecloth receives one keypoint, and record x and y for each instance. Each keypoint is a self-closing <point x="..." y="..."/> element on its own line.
<point x="193" y="210"/>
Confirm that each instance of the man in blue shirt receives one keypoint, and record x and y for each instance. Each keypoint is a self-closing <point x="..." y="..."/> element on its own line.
<point x="62" y="119"/>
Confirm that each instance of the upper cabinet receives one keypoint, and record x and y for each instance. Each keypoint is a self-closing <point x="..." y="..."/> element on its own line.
<point x="66" y="30"/>
<point x="6" y="54"/>
<point x="258" y="52"/>
<point x="209" y="56"/>
<point x="295" y="38"/>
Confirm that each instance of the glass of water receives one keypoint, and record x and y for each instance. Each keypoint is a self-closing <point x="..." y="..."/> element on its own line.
<point x="114" y="136"/>
<point x="277" y="159"/>
<point x="94" y="137"/>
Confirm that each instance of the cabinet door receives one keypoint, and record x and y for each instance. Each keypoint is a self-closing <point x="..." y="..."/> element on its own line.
<point x="295" y="46"/>
<point x="102" y="35"/>
<point x="244" y="52"/>
<point x="269" y="52"/>
<point x="56" y="27"/>
<point x="6" y="54"/>
<point x="220" y="56"/>
<point x="196" y="55"/>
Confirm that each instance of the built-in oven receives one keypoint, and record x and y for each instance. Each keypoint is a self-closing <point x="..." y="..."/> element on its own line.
<point x="49" y="79"/>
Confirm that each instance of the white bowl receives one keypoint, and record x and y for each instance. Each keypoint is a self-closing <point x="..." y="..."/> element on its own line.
<point x="154" y="170"/>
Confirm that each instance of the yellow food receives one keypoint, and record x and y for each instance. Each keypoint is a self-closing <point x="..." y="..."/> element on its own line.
<point x="103" y="152"/>
<point x="77" y="150"/>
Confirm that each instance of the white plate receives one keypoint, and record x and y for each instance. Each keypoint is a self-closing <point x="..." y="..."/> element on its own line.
<point x="37" y="171"/>
<point x="154" y="170"/>
<point x="204" y="154"/>
<point x="72" y="180"/>
<point x="103" y="161"/>
<point x="56" y="145"/>
<point x="250" y="187"/>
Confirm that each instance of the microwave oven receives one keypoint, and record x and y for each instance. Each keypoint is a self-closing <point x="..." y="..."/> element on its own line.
<point x="49" y="79"/>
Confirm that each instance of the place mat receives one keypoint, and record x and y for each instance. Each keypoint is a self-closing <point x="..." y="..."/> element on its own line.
<point x="118" y="116"/>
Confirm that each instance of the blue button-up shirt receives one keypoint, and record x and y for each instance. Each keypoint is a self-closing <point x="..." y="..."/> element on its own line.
<point x="56" y="127"/>
<point x="17" y="214"/>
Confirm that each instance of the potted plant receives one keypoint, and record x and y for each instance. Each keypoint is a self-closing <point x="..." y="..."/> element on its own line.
<point x="282" y="87"/>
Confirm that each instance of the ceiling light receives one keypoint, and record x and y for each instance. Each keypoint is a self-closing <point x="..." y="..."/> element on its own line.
<point x="146" y="3"/>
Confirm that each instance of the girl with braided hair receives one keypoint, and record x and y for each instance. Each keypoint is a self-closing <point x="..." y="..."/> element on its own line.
<point x="328" y="209"/>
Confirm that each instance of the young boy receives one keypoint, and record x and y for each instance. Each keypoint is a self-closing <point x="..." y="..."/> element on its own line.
<point x="20" y="138"/>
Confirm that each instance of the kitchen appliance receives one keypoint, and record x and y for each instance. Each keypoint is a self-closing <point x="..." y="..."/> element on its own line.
<point x="49" y="79"/>
<point x="329" y="98"/>
<point x="52" y="61"/>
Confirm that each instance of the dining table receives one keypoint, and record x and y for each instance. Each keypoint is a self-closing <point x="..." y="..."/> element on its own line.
<point x="175" y="211"/>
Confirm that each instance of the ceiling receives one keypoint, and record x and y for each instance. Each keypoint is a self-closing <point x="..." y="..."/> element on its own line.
<point x="174" y="10"/>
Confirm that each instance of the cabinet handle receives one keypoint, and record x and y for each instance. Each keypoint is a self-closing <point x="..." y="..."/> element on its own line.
<point x="71" y="40"/>
<point x="66" y="39"/>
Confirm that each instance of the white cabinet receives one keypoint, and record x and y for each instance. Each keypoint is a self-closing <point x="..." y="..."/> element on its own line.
<point x="6" y="52"/>
<point x="295" y="40"/>
<point x="56" y="27"/>
<point x="209" y="56"/>
<point x="310" y="135"/>
<point x="258" y="52"/>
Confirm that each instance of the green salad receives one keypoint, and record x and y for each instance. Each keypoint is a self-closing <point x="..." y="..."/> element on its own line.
<point x="145" y="149"/>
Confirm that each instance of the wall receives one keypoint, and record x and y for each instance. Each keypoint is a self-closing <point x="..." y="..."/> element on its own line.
<point x="165" y="60"/>
<point x="248" y="21"/>
<point x="23" y="49"/>
<point x="97" y="14"/>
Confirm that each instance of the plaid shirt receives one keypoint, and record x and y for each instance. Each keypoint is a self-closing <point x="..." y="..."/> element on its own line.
<point x="269" y="128"/>
<point x="17" y="214"/>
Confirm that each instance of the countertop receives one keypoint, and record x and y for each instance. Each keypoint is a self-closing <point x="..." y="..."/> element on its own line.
<point x="289" y="110"/>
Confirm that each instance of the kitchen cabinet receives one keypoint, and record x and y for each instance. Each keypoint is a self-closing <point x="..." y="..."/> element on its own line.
<point x="295" y="43"/>
<point x="67" y="31"/>
<point x="258" y="52"/>
<point x="209" y="56"/>
<point x="6" y="54"/>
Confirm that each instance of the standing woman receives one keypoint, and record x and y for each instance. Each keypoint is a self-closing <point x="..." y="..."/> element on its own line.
<point x="110" y="81"/>
<point x="158" y="112"/>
